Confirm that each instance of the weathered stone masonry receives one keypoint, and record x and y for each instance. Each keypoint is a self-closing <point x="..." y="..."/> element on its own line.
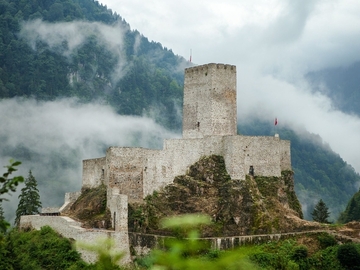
<point x="209" y="127"/>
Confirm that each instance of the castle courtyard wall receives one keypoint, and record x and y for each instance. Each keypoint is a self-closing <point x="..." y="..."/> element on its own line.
<point x="158" y="169"/>
<point x="93" y="172"/>
<point x="124" y="171"/>
<point x="263" y="153"/>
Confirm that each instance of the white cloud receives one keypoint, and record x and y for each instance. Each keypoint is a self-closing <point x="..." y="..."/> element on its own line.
<point x="273" y="44"/>
<point x="52" y="139"/>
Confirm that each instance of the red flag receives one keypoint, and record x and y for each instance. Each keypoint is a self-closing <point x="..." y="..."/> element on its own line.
<point x="276" y="121"/>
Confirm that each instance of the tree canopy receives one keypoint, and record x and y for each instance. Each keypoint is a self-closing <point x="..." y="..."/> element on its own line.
<point x="7" y="185"/>
<point x="352" y="211"/>
<point x="29" y="203"/>
<point x="321" y="212"/>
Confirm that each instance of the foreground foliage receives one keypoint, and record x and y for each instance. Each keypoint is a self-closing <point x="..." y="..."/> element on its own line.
<point x="308" y="251"/>
<point x="43" y="249"/>
<point x="187" y="252"/>
<point x="8" y="184"/>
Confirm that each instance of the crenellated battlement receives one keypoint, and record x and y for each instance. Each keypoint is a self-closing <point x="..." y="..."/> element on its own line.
<point x="210" y="66"/>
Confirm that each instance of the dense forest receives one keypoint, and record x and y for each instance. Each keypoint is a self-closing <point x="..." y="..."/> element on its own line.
<point x="140" y="77"/>
<point x="136" y="77"/>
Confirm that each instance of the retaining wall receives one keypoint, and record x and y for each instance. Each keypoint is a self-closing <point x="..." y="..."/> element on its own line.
<point x="71" y="229"/>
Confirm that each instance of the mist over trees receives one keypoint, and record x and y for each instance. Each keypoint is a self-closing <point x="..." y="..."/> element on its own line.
<point x="147" y="75"/>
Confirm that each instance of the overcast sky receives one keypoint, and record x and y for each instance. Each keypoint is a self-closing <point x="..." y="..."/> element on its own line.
<point x="273" y="43"/>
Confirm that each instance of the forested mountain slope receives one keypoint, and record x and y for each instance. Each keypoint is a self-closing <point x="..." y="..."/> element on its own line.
<point x="52" y="49"/>
<point x="110" y="63"/>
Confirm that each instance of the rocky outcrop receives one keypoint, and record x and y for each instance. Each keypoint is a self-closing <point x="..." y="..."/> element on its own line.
<point x="90" y="208"/>
<point x="256" y="205"/>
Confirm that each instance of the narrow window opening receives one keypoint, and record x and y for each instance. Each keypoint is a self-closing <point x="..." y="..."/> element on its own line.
<point x="251" y="170"/>
<point x="115" y="221"/>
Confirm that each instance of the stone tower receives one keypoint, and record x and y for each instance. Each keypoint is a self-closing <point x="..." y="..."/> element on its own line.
<point x="209" y="101"/>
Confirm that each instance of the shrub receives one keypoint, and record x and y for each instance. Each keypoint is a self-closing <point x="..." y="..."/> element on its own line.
<point x="326" y="240"/>
<point x="348" y="256"/>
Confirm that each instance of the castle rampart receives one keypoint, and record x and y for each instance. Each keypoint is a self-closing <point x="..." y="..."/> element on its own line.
<point x="93" y="172"/>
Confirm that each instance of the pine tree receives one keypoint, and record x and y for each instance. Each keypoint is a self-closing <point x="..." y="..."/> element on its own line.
<point x="320" y="212"/>
<point x="29" y="203"/>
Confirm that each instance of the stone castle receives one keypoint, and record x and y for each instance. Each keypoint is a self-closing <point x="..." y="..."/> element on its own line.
<point x="209" y="127"/>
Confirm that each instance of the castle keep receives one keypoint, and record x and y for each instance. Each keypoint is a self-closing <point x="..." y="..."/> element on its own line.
<point x="209" y="128"/>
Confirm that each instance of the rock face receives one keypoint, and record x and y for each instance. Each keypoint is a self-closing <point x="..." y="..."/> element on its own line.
<point x="90" y="208"/>
<point x="253" y="206"/>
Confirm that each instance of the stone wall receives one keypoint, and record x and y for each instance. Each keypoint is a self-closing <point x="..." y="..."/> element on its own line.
<point x="157" y="171"/>
<point x="285" y="162"/>
<point x="263" y="153"/>
<point x="142" y="244"/>
<point x="71" y="229"/>
<point x="70" y="198"/>
<point x="118" y="206"/>
<point x="138" y="172"/>
<point x="93" y="172"/>
<point x="209" y="101"/>
<point x="124" y="171"/>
